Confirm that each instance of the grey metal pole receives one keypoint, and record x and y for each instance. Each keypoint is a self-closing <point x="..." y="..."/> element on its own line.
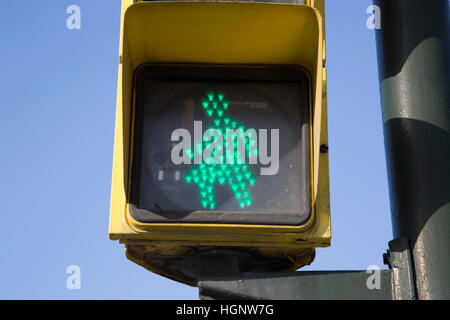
<point x="413" y="61"/>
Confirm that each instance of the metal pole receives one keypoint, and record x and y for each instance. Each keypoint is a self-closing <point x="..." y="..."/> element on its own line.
<point x="413" y="61"/>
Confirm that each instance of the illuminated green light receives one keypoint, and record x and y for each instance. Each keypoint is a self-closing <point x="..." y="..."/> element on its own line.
<point x="238" y="176"/>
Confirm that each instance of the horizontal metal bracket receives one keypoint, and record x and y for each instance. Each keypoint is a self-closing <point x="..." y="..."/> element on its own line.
<point x="394" y="284"/>
<point x="311" y="285"/>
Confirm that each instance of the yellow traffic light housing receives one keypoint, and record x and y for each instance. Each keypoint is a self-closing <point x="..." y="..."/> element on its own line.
<point x="182" y="61"/>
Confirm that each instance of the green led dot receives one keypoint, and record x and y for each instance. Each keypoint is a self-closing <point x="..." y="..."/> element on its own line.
<point x="220" y="112"/>
<point x="217" y="122"/>
<point x="212" y="205"/>
<point x="233" y="124"/>
<point x="252" y="181"/>
<point x="210" y="95"/>
<point x="248" y="201"/>
<point x="225" y="104"/>
<point x="238" y="194"/>
<point x="214" y="105"/>
<point x="210" y="112"/>
<point x="243" y="185"/>
<point x="248" y="174"/>
<point x="242" y="203"/>
<point x="220" y="95"/>
<point x="196" y="179"/>
<point x="188" y="179"/>
<point x="234" y="187"/>
<point x="226" y="120"/>
<point x="222" y="180"/>
<point x="205" y="104"/>
<point x="204" y="203"/>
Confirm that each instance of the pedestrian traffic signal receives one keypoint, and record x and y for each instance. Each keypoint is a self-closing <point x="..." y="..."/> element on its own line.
<point x="221" y="134"/>
<point x="221" y="145"/>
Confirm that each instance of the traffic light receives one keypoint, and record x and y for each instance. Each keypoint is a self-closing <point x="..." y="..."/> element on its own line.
<point x="221" y="134"/>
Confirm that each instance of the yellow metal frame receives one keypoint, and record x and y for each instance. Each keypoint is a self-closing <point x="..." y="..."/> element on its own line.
<point x="225" y="33"/>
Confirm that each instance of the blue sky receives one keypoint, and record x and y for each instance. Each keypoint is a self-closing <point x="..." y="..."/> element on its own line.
<point x="57" y="112"/>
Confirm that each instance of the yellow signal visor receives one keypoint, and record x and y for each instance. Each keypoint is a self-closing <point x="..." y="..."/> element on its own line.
<point x="216" y="33"/>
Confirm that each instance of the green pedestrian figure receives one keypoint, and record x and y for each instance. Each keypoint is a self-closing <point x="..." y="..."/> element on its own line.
<point x="226" y="167"/>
